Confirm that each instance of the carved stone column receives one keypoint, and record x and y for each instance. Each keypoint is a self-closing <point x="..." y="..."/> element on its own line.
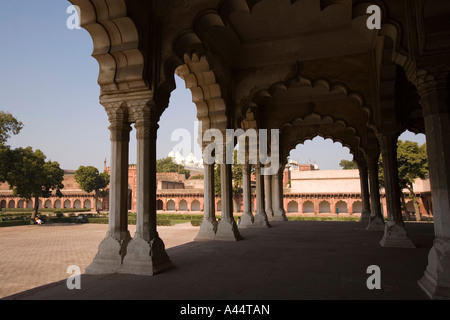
<point x="247" y="218"/>
<point x="364" y="180"/>
<point x="395" y="234"/>
<point x="113" y="249"/>
<point x="268" y="196"/>
<point x="277" y="195"/>
<point x="376" y="221"/>
<point x="208" y="227"/>
<point x="433" y="87"/>
<point x="227" y="229"/>
<point x="146" y="252"/>
<point x="260" y="216"/>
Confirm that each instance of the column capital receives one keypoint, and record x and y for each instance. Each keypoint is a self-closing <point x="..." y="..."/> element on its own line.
<point x="432" y="86"/>
<point x="120" y="131"/>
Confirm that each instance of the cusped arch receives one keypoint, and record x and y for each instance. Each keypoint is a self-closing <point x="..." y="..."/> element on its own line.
<point x="116" y="43"/>
<point x="189" y="61"/>
<point x="324" y="126"/>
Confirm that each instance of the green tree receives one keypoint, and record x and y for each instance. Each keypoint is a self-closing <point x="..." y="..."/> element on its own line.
<point x="31" y="176"/>
<point x="348" y="165"/>
<point x="412" y="164"/>
<point x="8" y="125"/>
<point x="91" y="180"/>
<point x="168" y="165"/>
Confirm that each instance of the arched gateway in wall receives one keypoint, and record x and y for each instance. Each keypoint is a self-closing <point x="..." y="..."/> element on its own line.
<point x="305" y="68"/>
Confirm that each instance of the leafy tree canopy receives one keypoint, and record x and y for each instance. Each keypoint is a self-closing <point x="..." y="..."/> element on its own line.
<point x="8" y="125"/>
<point x="412" y="164"/>
<point x="31" y="176"/>
<point x="348" y="165"/>
<point x="90" y="179"/>
<point x="168" y="165"/>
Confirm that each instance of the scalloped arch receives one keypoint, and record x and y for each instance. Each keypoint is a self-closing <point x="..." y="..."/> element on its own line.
<point x="116" y="44"/>
<point x="354" y="146"/>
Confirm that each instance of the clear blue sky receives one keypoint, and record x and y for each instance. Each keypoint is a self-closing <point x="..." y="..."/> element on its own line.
<point x="48" y="80"/>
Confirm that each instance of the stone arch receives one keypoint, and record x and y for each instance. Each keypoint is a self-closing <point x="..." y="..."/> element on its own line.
<point x="292" y="206"/>
<point x="47" y="204"/>
<point x="201" y="80"/>
<point x="3" y="204"/>
<point x="324" y="207"/>
<point x="195" y="205"/>
<point x="77" y="204"/>
<point x="12" y="204"/>
<point x="328" y="128"/>
<point x="21" y="204"/>
<point x="341" y="206"/>
<point x="171" y="206"/>
<point x="159" y="205"/>
<point x="357" y="207"/>
<point x="308" y="207"/>
<point x="57" y="204"/>
<point x="219" y="206"/>
<point x="30" y="204"/>
<point x="183" y="205"/>
<point x="116" y="43"/>
<point x="67" y="204"/>
<point x="87" y="204"/>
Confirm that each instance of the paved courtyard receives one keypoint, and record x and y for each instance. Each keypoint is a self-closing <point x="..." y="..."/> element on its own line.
<point x="290" y="261"/>
<point x="33" y="256"/>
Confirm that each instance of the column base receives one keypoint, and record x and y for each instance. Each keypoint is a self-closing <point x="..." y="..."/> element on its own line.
<point x="365" y="217"/>
<point x="436" y="279"/>
<point x="145" y="258"/>
<point x="227" y="231"/>
<point x="247" y="220"/>
<point x="376" y="223"/>
<point x="396" y="236"/>
<point x="110" y="255"/>
<point x="269" y="214"/>
<point x="279" y="215"/>
<point x="261" y="221"/>
<point x="207" y="231"/>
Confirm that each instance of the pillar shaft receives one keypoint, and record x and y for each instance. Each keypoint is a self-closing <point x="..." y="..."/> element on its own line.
<point x="247" y="218"/>
<point x="391" y="181"/>
<point x="268" y="196"/>
<point x="118" y="193"/>
<point x="434" y="91"/>
<point x="260" y="216"/>
<point x="146" y="134"/>
<point x="395" y="234"/>
<point x="227" y="229"/>
<point x="208" y="228"/>
<point x="277" y="195"/>
<point x="112" y="250"/>
<point x="376" y="222"/>
<point x="146" y="254"/>
<point x="364" y="181"/>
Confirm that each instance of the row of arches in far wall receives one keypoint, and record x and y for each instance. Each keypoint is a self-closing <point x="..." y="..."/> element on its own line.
<point x="349" y="206"/>
<point x="196" y="205"/>
<point x="75" y="203"/>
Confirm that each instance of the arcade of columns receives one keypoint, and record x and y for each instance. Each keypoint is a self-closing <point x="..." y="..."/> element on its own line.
<point x="304" y="67"/>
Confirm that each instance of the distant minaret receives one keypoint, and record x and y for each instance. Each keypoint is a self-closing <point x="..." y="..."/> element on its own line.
<point x="104" y="165"/>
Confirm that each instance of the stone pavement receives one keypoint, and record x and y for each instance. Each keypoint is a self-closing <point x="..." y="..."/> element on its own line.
<point x="33" y="256"/>
<point x="290" y="261"/>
